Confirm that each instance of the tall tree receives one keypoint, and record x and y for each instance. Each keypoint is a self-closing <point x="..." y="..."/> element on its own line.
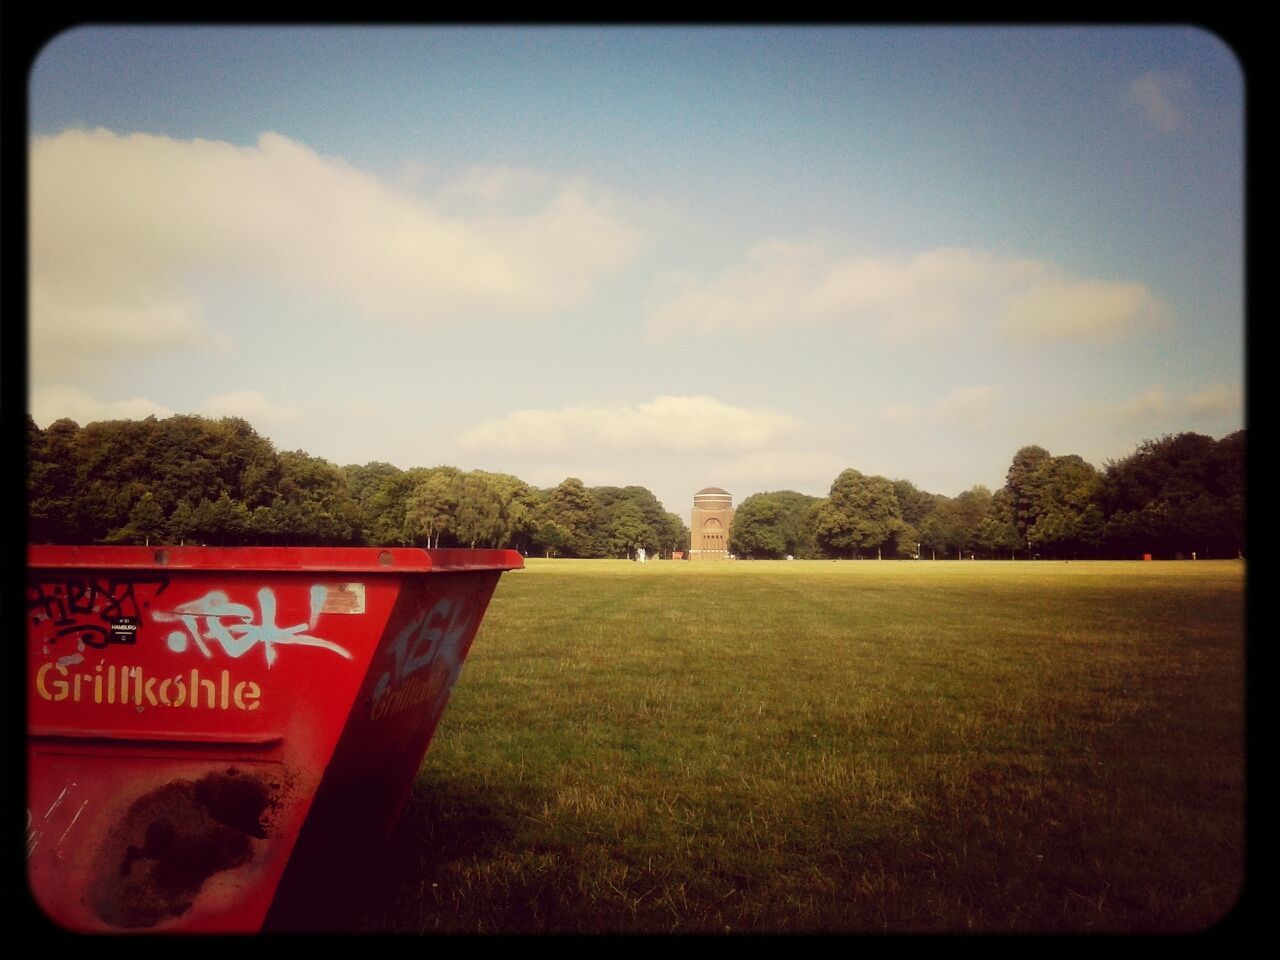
<point x="573" y="508"/>
<point x="860" y="513"/>
<point x="774" y="525"/>
<point x="53" y="513"/>
<point x="315" y="501"/>
<point x="667" y="532"/>
<point x="146" y="522"/>
<point x="996" y="533"/>
<point x="432" y="505"/>
<point x="381" y="490"/>
<point x="1023" y="485"/>
<point x="952" y="526"/>
<point x="517" y="506"/>
<point x="673" y="534"/>
<point x="1067" y="518"/>
<point x="626" y="530"/>
<point x="916" y="504"/>
<point x="478" y="518"/>
<point x="1180" y="494"/>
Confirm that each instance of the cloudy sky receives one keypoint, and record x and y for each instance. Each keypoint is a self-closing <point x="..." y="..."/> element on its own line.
<point x="672" y="257"/>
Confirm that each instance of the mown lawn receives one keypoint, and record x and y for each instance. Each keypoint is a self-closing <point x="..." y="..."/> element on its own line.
<point x="834" y="746"/>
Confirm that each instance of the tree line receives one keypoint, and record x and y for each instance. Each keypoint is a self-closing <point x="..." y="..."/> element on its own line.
<point x="192" y="479"/>
<point x="1179" y="496"/>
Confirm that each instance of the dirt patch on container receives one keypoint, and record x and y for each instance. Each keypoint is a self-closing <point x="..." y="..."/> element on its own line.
<point x="174" y="838"/>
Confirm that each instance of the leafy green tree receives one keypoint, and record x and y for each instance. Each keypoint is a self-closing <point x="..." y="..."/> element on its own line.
<point x="1180" y="494"/>
<point x="478" y="518"/>
<point x="102" y="473"/>
<point x="1023" y="481"/>
<point x="381" y="490"/>
<point x="181" y="526"/>
<point x="572" y="507"/>
<point x="626" y="530"/>
<point x="549" y="537"/>
<point x="314" y="501"/>
<point x="431" y="507"/>
<point x="904" y="544"/>
<point x="183" y="452"/>
<point x="860" y="513"/>
<point x="673" y="534"/>
<point x="774" y="525"/>
<point x="53" y="512"/>
<point x="229" y="520"/>
<point x="517" y="506"/>
<point x="667" y="532"/>
<point x="952" y="527"/>
<point x="247" y="465"/>
<point x="264" y="525"/>
<point x="1066" y="515"/>
<point x="757" y="530"/>
<point x="493" y="510"/>
<point x="146" y="521"/>
<point x="996" y="534"/>
<point x="916" y="504"/>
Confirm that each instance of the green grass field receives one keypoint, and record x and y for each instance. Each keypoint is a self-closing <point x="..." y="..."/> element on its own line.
<point x="834" y="746"/>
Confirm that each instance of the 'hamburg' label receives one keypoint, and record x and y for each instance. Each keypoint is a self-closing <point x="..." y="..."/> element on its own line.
<point x="124" y="630"/>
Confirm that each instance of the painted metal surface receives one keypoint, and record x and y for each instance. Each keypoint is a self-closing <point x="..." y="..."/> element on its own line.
<point x="218" y="739"/>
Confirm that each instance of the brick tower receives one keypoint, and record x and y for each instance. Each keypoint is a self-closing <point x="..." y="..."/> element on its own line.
<point x="709" y="528"/>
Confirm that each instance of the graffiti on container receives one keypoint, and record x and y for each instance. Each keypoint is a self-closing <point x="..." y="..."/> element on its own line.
<point x="237" y="628"/>
<point x="96" y="611"/>
<point x="56" y="815"/>
<point x="425" y="657"/>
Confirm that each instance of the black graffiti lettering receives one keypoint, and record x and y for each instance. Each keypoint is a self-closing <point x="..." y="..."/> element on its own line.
<point x="47" y="598"/>
<point x="97" y="610"/>
<point x="90" y="634"/>
<point x="108" y="598"/>
<point x="81" y="595"/>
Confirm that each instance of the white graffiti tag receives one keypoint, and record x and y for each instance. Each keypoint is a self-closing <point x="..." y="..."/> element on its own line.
<point x="234" y="626"/>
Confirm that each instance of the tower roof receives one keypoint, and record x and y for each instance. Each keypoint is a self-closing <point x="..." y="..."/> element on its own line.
<point x="711" y="490"/>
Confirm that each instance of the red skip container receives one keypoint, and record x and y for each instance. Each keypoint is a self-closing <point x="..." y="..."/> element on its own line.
<point x="219" y="740"/>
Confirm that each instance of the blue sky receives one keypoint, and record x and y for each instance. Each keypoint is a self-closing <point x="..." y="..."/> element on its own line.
<point x="672" y="257"/>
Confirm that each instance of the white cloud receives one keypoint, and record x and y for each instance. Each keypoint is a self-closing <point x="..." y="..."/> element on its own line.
<point x="780" y="285"/>
<point x="62" y="400"/>
<point x="967" y="405"/>
<point x="70" y="321"/>
<point x="1217" y="400"/>
<point x="51" y="403"/>
<point x="673" y="445"/>
<point x="249" y="405"/>
<point x="665" y="423"/>
<point x="1061" y="308"/>
<point x="769" y="288"/>
<point x="124" y="227"/>
<point x="493" y="184"/>
<point x="1164" y="98"/>
<point x="1150" y="403"/>
<point x="760" y="471"/>
<point x="902" y="412"/>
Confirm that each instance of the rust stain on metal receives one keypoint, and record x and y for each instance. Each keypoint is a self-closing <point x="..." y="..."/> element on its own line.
<point x="174" y="838"/>
<point x="344" y="598"/>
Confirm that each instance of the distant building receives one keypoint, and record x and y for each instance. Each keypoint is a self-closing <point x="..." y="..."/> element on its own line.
<point x="709" y="528"/>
